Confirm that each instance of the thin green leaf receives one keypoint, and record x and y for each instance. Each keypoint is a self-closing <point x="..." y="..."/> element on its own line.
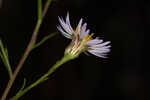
<point x="4" y="57"/>
<point x="23" y="85"/>
<point x="1" y="56"/>
<point x="6" y="51"/>
<point x="19" y="92"/>
<point x="39" y="9"/>
<point x="44" y="40"/>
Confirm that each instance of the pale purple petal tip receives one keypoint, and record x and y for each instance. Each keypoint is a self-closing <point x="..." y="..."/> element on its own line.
<point x="98" y="48"/>
<point x="94" y="42"/>
<point x="66" y="26"/>
<point x="102" y="55"/>
<point x="64" y="33"/>
<point x="84" y="32"/>
<point x="79" y="25"/>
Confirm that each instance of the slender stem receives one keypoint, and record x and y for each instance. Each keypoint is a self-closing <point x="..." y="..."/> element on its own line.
<point x="43" y="40"/>
<point x="39" y="9"/>
<point x="46" y="7"/>
<point x="43" y="78"/>
<point x="26" y="53"/>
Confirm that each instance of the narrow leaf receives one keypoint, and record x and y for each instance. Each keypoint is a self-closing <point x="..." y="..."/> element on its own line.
<point x="6" y="51"/>
<point x="20" y="91"/>
<point x="44" y="40"/>
<point x="23" y="85"/>
<point x="4" y="57"/>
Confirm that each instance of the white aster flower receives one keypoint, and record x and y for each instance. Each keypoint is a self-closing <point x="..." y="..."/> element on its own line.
<point x="82" y="41"/>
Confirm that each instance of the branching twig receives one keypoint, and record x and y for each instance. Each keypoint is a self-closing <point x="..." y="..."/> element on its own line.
<point x="26" y="53"/>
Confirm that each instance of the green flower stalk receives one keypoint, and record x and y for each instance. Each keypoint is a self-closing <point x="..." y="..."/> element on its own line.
<point x="67" y="57"/>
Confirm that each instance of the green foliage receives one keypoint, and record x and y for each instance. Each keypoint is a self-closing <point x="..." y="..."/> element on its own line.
<point x="52" y="69"/>
<point x="5" y="58"/>
<point x="44" y="40"/>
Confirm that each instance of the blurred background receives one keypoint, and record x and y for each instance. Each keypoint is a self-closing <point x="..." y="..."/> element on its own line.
<point x="122" y="76"/>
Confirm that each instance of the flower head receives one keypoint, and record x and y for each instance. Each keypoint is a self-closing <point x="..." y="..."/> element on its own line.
<point x="82" y="41"/>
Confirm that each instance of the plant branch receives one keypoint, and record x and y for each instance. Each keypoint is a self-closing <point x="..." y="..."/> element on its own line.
<point x="43" y="40"/>
<point x="39" y="9"/>
<point x="43" y="78"/>
<point x="26" y="53"/>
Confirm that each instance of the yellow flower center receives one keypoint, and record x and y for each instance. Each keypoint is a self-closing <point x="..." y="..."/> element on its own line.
<point x="89" y="37"/>
<point x="79" y="44"/>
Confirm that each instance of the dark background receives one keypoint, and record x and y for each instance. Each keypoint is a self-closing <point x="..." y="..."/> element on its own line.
<point x="122" y="76"/>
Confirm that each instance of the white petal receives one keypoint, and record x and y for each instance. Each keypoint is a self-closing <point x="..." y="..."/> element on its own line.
<point x="64" y="33"/>
<point x="79" y="26"/>
<point x="104" y="49"/>
<point x="100" y="50"/>
<point x="94" y="42"/>
<point x="84" y="27"/>
<point x="65" y="26"/>
<point x="84" y="32"/>
<point x="101" y="44"/>
<point x="98" y="54"/>
<point x="87" y="32"/>
<point x="68" y="22"/>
